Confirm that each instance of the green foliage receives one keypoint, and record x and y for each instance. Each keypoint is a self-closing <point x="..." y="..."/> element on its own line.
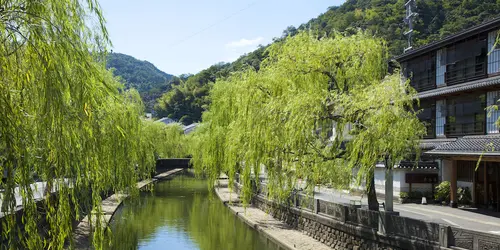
<point x="382" y="18"/>
<point x="66" y="121"/>
<point x="416" y="195"/>
<point x="141" y="75"/>
<point x="404" y="195"/>
<point x="189" y="98"/>
<point x="443" y="191"/>
<point x="436" y="19"/>
<point x="269" y="118"/>
<point x="464" y="196"/>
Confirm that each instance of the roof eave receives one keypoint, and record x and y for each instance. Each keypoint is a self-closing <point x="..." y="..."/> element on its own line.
<point x="489" y="25"/>
<point x="462" y="153"/>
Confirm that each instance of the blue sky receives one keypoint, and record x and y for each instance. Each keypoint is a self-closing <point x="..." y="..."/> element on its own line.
<point x="188" y="36"/>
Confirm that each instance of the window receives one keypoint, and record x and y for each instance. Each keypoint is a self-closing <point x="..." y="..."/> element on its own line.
<point x="466" y="115"/>
<point x="427" y="115"/>
<point x="494" y="53"/>
<point x="466" y="60"/>
<point x="422" y="72"/>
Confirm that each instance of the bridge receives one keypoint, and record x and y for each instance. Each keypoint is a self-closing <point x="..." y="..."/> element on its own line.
<point x="163" y="165"/>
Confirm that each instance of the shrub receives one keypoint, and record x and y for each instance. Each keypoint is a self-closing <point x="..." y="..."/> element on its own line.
<point x="464" y="196"/>
<point x="403" y="195"/>
<point x="415" y="195"/>
<point x="443" y="191"/>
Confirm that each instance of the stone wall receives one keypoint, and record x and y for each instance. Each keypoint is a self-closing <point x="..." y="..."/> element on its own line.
<point x="345" y="226"/>
<point x="337" y="234"/>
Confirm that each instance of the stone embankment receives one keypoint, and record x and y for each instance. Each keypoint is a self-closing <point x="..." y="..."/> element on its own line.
<point x="275" y="230"/>
<point x="348" y="226"/>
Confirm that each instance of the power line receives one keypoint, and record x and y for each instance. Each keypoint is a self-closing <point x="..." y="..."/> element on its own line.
<point x="212" y="25"/>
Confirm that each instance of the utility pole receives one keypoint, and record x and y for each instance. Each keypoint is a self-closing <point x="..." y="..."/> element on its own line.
<point x="411" y="13"/>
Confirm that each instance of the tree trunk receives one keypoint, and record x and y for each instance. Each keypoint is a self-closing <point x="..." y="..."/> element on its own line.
<point x="372" y="195"/>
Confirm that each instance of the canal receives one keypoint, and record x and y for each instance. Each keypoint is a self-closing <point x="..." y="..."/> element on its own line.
<point x="181" y="214"/>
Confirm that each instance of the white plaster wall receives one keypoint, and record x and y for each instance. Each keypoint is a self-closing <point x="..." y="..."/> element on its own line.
<point x="399" y="181"/>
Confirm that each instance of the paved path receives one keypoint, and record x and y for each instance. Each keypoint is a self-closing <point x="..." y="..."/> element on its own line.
<point x="274" y="229"/>
<point x="38" y="189"/>
<point x="466" y="218"/>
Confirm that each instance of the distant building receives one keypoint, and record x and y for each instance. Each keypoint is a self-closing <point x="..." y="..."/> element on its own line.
<point x="166" y="120"/>
<point x="189" y="128"/>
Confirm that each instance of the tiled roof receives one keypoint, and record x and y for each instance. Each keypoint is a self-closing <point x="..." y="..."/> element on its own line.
<point x="430" y="165"/>
<point x="488" y="145"/>
<point x="166" y="120"/>
<point x="189" y="128"/>
<point x="421" y="165"/>
<point x="492" y="81"/>
<point x="430" y="144"/>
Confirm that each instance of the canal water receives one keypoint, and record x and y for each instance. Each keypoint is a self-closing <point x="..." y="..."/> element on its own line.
<point x="181" y="214"/>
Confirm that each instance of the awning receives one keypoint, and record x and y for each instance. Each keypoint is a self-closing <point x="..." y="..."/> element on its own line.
<point x="487" y="82"/>
<point x="485" y="145"/>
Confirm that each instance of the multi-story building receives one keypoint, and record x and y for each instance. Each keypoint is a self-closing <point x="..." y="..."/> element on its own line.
<point x="457" y="78"/>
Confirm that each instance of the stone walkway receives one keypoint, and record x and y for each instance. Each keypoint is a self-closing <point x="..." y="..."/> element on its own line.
<point x="277" y="231"/>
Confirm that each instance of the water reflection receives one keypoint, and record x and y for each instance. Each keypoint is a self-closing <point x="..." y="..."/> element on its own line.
<point x="180" y="215"/>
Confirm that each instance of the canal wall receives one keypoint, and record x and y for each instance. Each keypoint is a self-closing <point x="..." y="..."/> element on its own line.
<point x="336" y="233"/>
<point x="343" y="226"/>
<point x="275" y="231"/>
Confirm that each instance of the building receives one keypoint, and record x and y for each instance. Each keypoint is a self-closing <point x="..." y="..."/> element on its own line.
<point x="457" y="78"/>
<point x="166" y="120"/>
<point x="190" y="128"/>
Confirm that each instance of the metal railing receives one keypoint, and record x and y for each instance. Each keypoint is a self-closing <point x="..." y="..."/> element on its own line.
<point x="466" y="73"/>
<point x="458" y="129"/>
<point x="423" y="83"/>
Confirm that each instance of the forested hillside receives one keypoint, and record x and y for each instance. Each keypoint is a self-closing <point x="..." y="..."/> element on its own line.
<point x="384" y="18"/>
<point x="141" y="75"/>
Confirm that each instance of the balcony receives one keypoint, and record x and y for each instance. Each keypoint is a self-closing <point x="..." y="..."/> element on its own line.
<point x="421" y="84"/>
<point x="460" y="74"/>
<point x="460" y="129"/>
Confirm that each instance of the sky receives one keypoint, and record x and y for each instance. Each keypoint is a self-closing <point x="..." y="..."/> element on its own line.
<point x="188" y="36"/>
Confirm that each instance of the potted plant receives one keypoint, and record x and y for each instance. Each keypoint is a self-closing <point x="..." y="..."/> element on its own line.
<point x="442" y="194"/>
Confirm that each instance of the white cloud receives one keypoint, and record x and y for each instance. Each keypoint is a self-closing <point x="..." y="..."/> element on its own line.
<point x="244" y="42"/>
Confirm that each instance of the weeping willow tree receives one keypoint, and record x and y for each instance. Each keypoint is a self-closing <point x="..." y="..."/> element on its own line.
<point x="66" y="122"/>
<point x="282" y="117"/>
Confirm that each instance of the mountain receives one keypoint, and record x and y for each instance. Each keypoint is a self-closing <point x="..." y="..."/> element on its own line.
<point x="141" y="75"/>
<point x="436" y="19"/>
<point x="383" y="18"/>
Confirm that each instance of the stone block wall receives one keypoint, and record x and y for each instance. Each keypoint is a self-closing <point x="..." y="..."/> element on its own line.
<point x="337" y="235"/>
<point x="343" y="226"/>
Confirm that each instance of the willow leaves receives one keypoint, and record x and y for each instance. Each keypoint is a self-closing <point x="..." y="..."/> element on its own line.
<point x="316" y="110"/>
